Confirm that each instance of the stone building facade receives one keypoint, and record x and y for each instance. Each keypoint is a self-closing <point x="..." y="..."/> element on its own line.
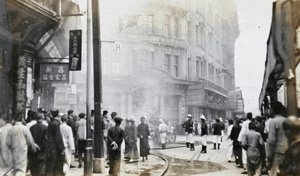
<point x="168" y="58"/>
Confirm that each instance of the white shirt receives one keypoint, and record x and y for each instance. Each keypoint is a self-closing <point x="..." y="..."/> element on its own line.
<point x="245" y="128"/>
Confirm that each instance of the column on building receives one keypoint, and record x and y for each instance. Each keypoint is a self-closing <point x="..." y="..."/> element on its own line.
<point x="180" y="108"/>
<point x="129" y="103"/>
<point x="156" y="103"/>
<point x="123" y="104"/>
<point x="161" y="106"/>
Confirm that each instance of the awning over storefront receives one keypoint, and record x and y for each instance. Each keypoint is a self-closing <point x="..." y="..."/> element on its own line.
<point x="274" y="65"/>
<point x="215" y="100"/>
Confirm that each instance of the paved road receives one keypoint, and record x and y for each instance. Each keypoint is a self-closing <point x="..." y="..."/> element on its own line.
<point x="214" y="156"/>
<point x="178" y="151"/>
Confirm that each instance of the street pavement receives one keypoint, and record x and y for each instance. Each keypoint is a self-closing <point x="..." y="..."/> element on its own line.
<point x="215" y="156"/>
<point x="155" y="165"/>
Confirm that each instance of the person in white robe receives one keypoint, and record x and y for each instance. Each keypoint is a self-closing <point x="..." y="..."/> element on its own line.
<point x="67" y="136"/>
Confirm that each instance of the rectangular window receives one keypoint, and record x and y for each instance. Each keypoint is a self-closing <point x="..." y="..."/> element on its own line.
<point x="166" y="26"/>
<point x="177" y="27"/>
<point x="189" y="32"/>
<point x="175" y="65"/>
<point x="150" y="24"/>
<point x="167" y="63"/>
<point x="197" y="35"/>
<point x="202" y="69"/>
<point x="143" y="62"/>
<point x="202" y="34"/>
<point x="116" y="67"/>
<point x="198" y="68"/>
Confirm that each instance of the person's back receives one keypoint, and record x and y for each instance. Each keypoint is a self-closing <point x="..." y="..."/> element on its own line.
<point x="81" y="129"/>
<point x="218" y="127"/>
<point x="276" y="137"/>
<point x="39" y="134"/>
<point x="235" y="131"/>
<point x="54" y="137"/>
<point x="19" y="140"/>
<point x="115" y="138"/>
<point x="55" y="147"/>
<point x="252" y="141"/>
<point x="5" y="152"/>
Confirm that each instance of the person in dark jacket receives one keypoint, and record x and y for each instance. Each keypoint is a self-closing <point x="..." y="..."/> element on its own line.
<point x="143" y="133"/>
<point x="189" y="130"/>
<point x="55" y="147"/>
<point x="237" y="149"/>
<point x="217" y="132"/>
<point x="204" y="133"/>
<point x="115" y="138"/>
<point x="37" y="160"/>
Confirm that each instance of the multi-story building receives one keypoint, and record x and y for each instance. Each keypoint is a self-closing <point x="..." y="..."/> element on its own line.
<point x="32" y="32"/>
<point x="168" y="58"/>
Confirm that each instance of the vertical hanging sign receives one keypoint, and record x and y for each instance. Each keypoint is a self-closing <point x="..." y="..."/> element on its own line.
<point x="75" y="50"/>
<point x="20" y="98"/>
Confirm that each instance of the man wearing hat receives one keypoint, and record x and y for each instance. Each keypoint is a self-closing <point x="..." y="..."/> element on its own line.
<point x="217" y="132"/>
<point x="204" y="132"/>
<point x="81" y="135"/>
<point x="115" y="138"/>
<point x="189" y="129"/>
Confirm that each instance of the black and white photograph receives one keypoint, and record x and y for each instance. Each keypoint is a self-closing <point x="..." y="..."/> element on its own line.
<point x="149" y="87"/>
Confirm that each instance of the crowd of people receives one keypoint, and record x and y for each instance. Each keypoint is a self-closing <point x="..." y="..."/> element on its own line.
<point x="114" y="135"/>
<point x="260" y="145"/>
<point x="42" y="143"/>
<point x="47" y="144"/>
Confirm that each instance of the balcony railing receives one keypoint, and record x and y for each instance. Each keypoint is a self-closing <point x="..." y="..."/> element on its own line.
<point x="158" y="39"/>
<point x="214" y="86"/>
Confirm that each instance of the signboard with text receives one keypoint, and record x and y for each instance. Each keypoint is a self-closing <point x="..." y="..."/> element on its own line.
<point x="75" y="50"/>
<point x="54" y="73"/>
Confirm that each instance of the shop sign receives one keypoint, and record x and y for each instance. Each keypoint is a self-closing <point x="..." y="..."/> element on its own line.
<point x="75" y="50"/>
<point x="54" y="73"/>
<point x="21" y="84"/>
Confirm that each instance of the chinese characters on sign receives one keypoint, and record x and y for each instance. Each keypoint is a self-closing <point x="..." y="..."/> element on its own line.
<point x="20" y="97"/>
<point x="75" y="50"/>
<point x="54" y="73"/>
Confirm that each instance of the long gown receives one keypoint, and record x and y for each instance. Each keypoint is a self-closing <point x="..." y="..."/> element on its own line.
<point x="127" y="131"/>
<point x="134" y="154"/>
<point x="37" y="160"/>
<point x="143" y="134"/>
<point x="55" y="146"/>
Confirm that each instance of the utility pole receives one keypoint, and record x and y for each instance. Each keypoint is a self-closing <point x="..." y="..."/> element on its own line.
<point x="98" y="131"/>
<point x="289" y="31"/>
<point x="88" y="155"/>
